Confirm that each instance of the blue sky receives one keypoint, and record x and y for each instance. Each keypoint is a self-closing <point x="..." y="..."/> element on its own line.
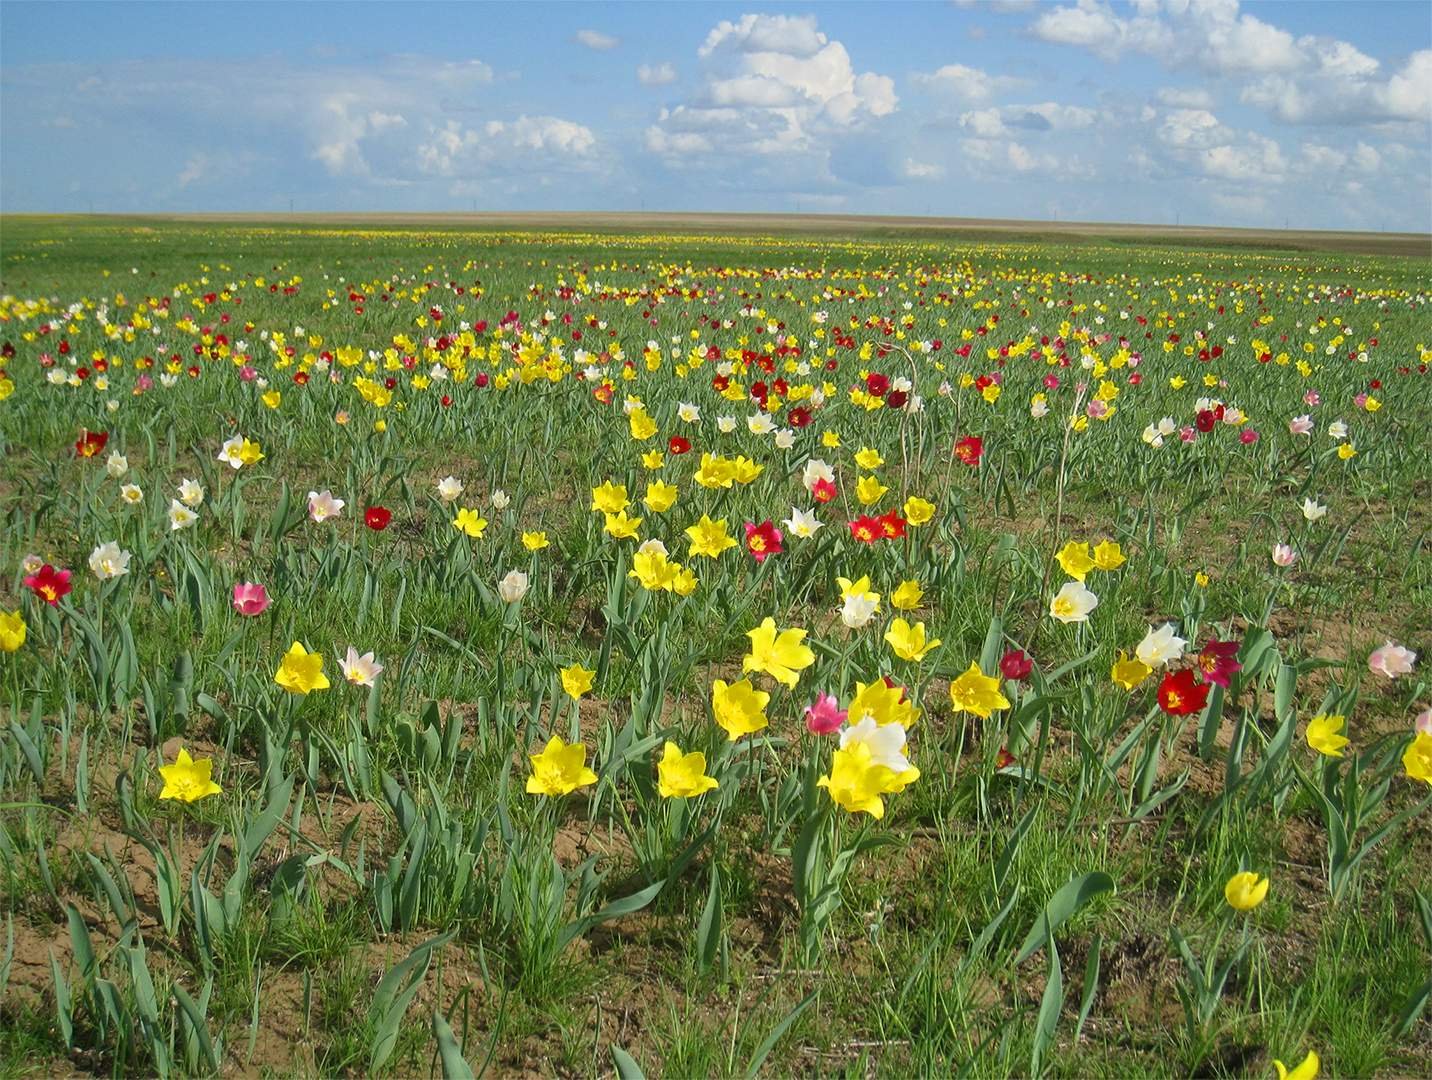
<point x="1313" y="115"/>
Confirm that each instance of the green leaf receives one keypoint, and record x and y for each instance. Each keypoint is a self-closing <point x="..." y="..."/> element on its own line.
<point x="1050" y="1004"/>
<point x="617" y="908"/>
<point x="764" y="1050"/>
<point x="455" y="1066"/>
<point x="627" y="1068"/>
<point x="1063" y="904"/>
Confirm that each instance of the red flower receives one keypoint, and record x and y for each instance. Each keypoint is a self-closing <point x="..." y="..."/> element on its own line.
<point x="1004" y="759"/>
<point x="1015" y="665"/>
<point x="679" y="445"/>
<point x="377" y="518"/>
<point x="969" y="450"/>
<point x="866" y="529"/>
<point x="762" y="540"/>
<point x="1218" y="661"/>
<point x="877" y="384"/>
<point x="798" y="417"/>
<point x="49" y="584"/>
<point x="1205" y="420"/>
<point x="1180" y="695"/>
<point x="892" y="525"/>
<point x="897" y="399"/>
<point x="90" y="443"/>
<point x="823" y="490"/>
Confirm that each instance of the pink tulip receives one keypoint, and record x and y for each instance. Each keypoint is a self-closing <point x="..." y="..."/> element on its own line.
<point x="1391" y="660"/>
<point x="1423" y="723"/>
<point x="1283" y="555"/>
<point x="250" y="599"/>
<point x="1247" y="436"/>
<point x="1313" y="398"/>
<point x="1301" y="425"/>
<point x="825" y="715"/>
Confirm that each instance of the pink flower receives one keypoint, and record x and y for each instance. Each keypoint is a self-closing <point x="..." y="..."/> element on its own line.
<point x="1247" y="436"/>
<point x="1284" y="555"/>
<point x="1423" y="723"/>
<point x="824" y="716"/>
<point x="1391" y="660"/>
<point x="1187" y="434"/>
<point x="1096" y="408"/>
<point x="1051" y="382"/>
<point x="143" y="383"/>
<point x="248" y="373"/>
<point x="250" y="599"/>
<point x="1360" y="400"/>
<point x="1312" y="398"/>
<point x="1301" y="425"/>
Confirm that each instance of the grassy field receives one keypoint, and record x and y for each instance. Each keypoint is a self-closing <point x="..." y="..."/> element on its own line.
<point x="959" y="822"/>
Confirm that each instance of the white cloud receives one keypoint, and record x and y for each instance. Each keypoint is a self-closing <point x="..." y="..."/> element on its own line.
<point x="595" y="39"/>
<point x="1254" y="159"/>
<point x="771" y="85"/>
<point x="1185" y="97"/>
<point x="966" y="84"/>
<point x="455" y="149"/>
<point x="920" y="170"/>
<point x="193" y="170"/>
<point x="1045" y="116"/>
<point x="656" y="74"/>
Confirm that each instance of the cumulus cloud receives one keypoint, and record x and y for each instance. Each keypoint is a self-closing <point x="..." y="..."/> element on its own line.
<point x="1045" y="116"/>
<point x="1185" y="97"/>
<point x="656" y="74"/>
<point x="595" y="39"/>
<point x="454" y="149"/>
<point x="771" y="84"/>
<point x="921" y="170"/>
<point x="966" y="84"/>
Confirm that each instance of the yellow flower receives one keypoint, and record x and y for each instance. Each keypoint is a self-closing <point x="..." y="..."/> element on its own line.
<point x="978" y="693"/>
<point x="642" y="426"/>
<point x="577" y="680"/>
<point x="12" y="630"/>
<point x="681" y="776"/>
<point x="300" y="671"/>
<point x="1346" y="451"/>
<point x="559" y="769"/>
<point x="860" y="587"/>
<point x="188" y="780"/>
<point x="1201" y="579"/>
<point x="868" y="458"/>
<point x="918" y="511"/>
<point x="907" y="596"/>
<point x="652" y="569"/>
<point x="468" y="521"/>
<point x="1417" y="758"/>
<point x="882" y="703"/>
<point x="739" y="707"/>
<point x="1306" y="1070"/>
<point x="1245" y="891"/>
<point x="272" y="399"/>
<point x="715" y="472"/>
<point x="1178" y="382"/>
<point x="1325" y="734"/>
<point x="1075" y="559"/>
<point x="653" y="459"/>
<point x="609" y="498"/>
<point x="1108" y="555"/>
<point x="830" y="440"/>
<point x="869" y="490"/>
<point x="779" y="653"/>
<point x="1129" y="672"/>
<point x="535" y="541"/>
<point x="908" y="642"/>
<point x="249" y="452"/>
<point x="856" y="781"/>
<point x="709" y="537"/>
<point x="659" y="496"/>
<point x="620" y="526"/>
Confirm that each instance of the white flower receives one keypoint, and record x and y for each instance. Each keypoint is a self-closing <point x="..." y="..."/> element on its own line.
<point x="191" y="493"/>
<point x="857" y="610"/>
<point x="1038" y="408"/>
<point x="31" y="564"/>
<point x="229" y="452"/>
<point x="1337" y="429"/>
<point x="726" y="424"/>
<point x="1073" y="603"/>
<point x="653" y="545"/>
<point x="132" y="494"/>
<point x="1160" y="646"/>
<point x="885" y="741"/>
<point x="360" y="670"/>
<point x="322" y="505"/>
<point x="167" y="380"/>
<point x="1312" y="510"/>
<point x="501" y="500"/>
<point x="1152" y="437"/>
<point x="180" y="516"/>
<point x="108" y="561"/>
<point x="760" y="424"/>
<point x="117" y="465"/>
<point x="816" y="470"/>
<point x="688" y="412"/>
<point x="449" y="488"/>
<point x="513" y="587"/>
<point x="785" y="439"/>
<point x="802" y="523"/>
<point x="1284" y="555"/>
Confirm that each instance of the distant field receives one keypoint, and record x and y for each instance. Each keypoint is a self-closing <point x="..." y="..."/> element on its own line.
<point x="1368" y="243"/>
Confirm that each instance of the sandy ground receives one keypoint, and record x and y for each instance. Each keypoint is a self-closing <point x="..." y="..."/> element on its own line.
<point x="1414" y="244"/>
